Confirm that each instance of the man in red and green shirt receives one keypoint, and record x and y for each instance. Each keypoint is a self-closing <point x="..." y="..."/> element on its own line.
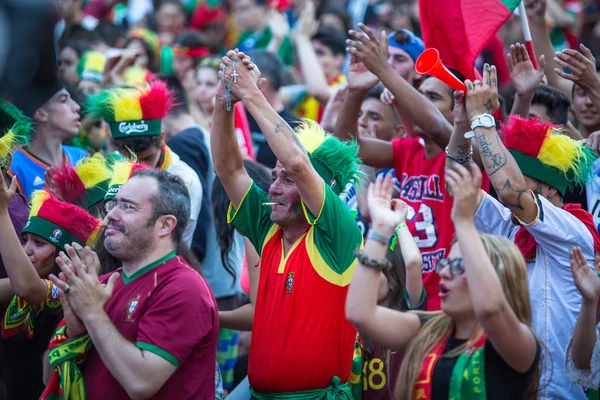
<point x="152" y="330"/>
<point x="302" y="344"/>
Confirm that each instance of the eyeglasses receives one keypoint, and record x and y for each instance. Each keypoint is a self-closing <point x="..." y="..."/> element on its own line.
<point x="457" y="266"/>
<point x="123" y="206"/>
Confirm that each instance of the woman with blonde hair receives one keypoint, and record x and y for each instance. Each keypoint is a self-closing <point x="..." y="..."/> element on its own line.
<point x="480" y="346"/>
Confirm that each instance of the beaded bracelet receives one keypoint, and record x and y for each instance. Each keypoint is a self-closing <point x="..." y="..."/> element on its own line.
<point x="365" y="260"/>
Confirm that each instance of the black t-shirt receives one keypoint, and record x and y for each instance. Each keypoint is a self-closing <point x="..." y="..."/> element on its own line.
<point x="22" y="361"/>
<point x="264" y="154"/>
<point x="190" y="146"/>
<point x="501" y="381"/>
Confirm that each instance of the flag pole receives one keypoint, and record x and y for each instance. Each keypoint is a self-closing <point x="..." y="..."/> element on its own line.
<point x="527" y="33"/>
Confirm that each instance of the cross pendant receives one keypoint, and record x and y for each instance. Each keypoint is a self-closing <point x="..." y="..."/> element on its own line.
<point x="234" y="76"/>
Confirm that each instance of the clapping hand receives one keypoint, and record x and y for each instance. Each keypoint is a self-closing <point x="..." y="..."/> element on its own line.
<point x="586" y="279"/>
<point x="465" y="187"/>
<point x="386" y="213"/>
<point x="7" y="193"/>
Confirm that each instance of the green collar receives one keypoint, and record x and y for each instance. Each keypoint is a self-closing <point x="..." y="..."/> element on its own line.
<point x="137" y="274"/>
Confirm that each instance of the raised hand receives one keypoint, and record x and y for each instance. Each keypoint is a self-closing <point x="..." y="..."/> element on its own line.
<point x="581" y="65"/>
<point x="359" y="76"/>
<point x="278" y="23"/>
<point x="525" y="78"/>
<point x="307" y="24"/>
<point x="482" y="97"/>
<point x="386" y="213"/>
<point x="240" y="81"/>
<point x="465" y="188"/>
<point x="7" y="193"/>
<point x="586" y="279"/>
<point x="536" y="10"/>
<point x="460" y="108"/>
<point x="369" y="49"/>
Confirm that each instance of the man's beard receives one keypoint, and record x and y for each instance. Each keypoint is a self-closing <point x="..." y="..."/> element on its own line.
<point x="132" y="245"/>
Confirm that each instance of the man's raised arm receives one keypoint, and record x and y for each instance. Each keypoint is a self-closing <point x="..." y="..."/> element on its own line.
<point x="502" y="169"/>
<point x="227" y="158"/>
<point x="281" y="138"/>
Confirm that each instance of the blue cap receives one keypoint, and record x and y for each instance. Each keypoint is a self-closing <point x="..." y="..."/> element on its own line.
<point x="414" y="47"/>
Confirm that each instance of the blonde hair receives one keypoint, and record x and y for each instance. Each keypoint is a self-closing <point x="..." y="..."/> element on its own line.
<point x="512" y="271"/>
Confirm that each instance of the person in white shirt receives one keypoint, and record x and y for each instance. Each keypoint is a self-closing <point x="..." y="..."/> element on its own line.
<point x="530" y="169"/>
<point x="135" y="119"/>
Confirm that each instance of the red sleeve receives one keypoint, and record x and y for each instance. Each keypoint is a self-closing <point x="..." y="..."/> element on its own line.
<point x="401" y="149"/>
<point x="183" y="308"/>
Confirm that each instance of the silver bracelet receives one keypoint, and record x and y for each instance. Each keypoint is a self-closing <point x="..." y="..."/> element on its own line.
<point x="378" y="237"/>
<point x="459" y="159"/>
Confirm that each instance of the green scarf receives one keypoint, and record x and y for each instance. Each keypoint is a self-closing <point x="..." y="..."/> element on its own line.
<point x="66" y="382"/>
<point x="468" y="375"/>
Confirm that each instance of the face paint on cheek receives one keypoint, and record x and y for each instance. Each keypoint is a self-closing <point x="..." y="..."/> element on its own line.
<point x="48" y="261"/>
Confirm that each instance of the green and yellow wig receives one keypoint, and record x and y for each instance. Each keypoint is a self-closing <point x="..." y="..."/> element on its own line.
<point x="335" y="161"/>
<point x="85" y="184"/>
<point x="91" y="66"/>
<point x="136" y="111"/>
<point x="15" y="130"/>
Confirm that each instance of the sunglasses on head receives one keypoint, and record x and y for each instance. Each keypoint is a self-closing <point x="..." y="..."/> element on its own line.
<point x="456" y="265"/>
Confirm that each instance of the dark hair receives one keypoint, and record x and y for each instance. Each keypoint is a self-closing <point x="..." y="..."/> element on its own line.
<point x="339" y="12"/>
<point x="375" y="92"/>
<point x="191" y="38"/>
<point x="458" y="75"/>
<point x="78" y="46"/>
<point x="270" y="66"/>
<point x="332" y="39"/>
<point x="172" y="198"/>
<point x="153" y="62"/>
<point x="181" y="103"/>
<point x="137" y="144"/>
<point x="77" y="32"/>
<point x="158" y="5"/>
<point x="556" y="102"/>
<point x="113" y="35"/>
<point x="262" y="178"/>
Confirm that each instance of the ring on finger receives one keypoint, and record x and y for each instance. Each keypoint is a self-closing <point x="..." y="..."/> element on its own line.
<point x="67" y="288"/>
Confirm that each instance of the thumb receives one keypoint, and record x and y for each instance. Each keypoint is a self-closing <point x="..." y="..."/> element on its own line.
<point x="459" y="96"/>
<point x="261" y="83"/>
<point x="110" y="285"/>
<point x="542" y="63"/>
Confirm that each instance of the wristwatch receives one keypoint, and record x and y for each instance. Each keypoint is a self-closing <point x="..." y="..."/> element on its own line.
<point x="483" y="121"/>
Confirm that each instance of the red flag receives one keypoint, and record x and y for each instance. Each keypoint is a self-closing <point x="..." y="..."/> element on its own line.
<point x="460" y="29"/>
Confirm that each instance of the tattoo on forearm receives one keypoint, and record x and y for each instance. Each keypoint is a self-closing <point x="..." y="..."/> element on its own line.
<point x="508" y="190"/>
<point x="283" y="127"/>
<point x="489" y="106"/>
<point x="463" y="149"/>
<point x="493" y="157"/>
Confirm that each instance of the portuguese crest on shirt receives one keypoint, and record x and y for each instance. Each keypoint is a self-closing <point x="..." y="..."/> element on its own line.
<point x="131" y="308"/>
